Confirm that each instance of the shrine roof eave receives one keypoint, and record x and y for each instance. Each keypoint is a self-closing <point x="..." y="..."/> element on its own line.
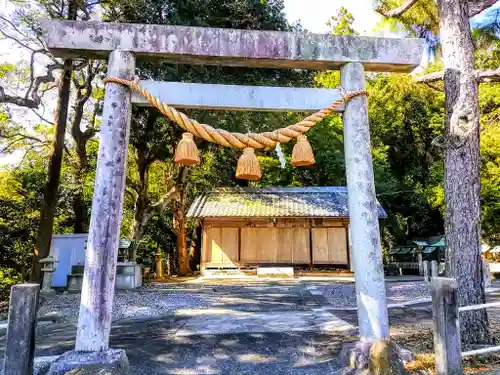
<point x="232" y="47"/>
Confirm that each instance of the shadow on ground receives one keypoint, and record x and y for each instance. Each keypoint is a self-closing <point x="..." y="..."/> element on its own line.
<point x="153" y="348"/>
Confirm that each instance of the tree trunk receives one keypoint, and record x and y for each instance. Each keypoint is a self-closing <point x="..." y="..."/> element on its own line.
<point x="142" y="205"/>
<point x="182" y="250"/>
<point x="83" y="93"/>
<point x="140" y="219"/>
<point x="462" y="178"/>
<point x="81" y="224"/>
<point x="45" y="228"/>
<point x="180" y="222"/>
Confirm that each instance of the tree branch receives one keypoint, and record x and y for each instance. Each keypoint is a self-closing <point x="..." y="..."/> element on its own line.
<point x="132" y="185"/>
<point x="434" y="87"/>
<point x="482" y="76"/>
<point x="396" y="12"/>
<point x="18" y="137"/>
<point x="477" y="6"/>
<point x="129" y="192"/>
<point x="42" y="118"/>
<point x="489" y="75"/>
<point x="17" y="100"/>
<point x="164" y="200"/>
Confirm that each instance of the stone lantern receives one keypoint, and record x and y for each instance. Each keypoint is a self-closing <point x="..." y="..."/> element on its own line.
<point x="48" y="266"/>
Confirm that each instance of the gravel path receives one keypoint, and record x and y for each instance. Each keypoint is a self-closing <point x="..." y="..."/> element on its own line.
<point x="161" y="299"/>
<point x="344" y="295"/>
<point x="131" y="304"/>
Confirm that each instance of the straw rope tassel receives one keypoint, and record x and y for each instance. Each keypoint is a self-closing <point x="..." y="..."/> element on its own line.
<point x="187" y="152"/>
<point x="302" y="153"/>
<point x="248" y="167"/>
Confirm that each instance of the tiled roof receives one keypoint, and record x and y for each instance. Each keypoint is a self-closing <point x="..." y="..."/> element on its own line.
<point x="274" y="202"/>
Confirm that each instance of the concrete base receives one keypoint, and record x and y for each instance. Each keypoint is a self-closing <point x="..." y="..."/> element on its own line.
<point x="280" y="272"/>
<point x="48" y="292"/>
<point x="109" y="362"/>
<point x="378" y="358"/>
<point x="75" y="282"/>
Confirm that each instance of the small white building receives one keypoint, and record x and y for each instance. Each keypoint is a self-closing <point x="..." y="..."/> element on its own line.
<point x="69" y="253"/>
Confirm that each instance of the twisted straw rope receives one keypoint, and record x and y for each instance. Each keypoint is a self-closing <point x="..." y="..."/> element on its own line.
<point x="236" y="140"/>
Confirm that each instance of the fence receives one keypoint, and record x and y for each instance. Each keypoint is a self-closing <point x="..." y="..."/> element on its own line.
<point x="446" y="320"/>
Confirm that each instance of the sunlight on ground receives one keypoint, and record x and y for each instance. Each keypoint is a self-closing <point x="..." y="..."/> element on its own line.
<point x="201" y="312"/>
<point x="255" y="358"/>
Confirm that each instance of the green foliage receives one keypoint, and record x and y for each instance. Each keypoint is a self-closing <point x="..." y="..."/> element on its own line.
<point x="8" y="277"/>
<point x="420" y="21"/>
<point x="341" y="24"/>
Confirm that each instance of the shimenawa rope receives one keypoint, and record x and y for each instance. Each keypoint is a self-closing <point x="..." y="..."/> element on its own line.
<point x="236" y="140"/>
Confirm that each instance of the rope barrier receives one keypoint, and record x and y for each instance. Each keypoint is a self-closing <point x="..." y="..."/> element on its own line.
<point x="233" y="139"/>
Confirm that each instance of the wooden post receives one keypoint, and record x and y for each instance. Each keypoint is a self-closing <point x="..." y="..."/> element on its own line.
<point x="420" y="264"/>
<point x="427" y="277"/>
<point x="434" y="269"/>
<point x="20" y="344"/>
<point x="447" y="344"/>
<point x="94" y="321"/>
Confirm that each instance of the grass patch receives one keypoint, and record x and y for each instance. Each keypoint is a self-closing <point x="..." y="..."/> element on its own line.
<point x="422" y="345"/>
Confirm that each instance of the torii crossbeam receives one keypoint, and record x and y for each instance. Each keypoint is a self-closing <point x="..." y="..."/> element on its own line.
<point x="122" y="44"/>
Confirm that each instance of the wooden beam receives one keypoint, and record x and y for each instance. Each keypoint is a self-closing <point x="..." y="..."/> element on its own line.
<point x="231" y="97"/>
<point x="211" y="46"/>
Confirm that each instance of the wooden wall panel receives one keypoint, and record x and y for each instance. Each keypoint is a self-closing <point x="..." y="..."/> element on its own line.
<point x="301" y="247"/>
<point x="320" y="246"/>
<point x="337" y="245"/>
<point x="249" y="245"/>
<point x="285" y="245"/>
<point x="212" y="249"/>
<point x="332" y="223"/>
<point x="329" y="246"/>
<point x="230" y="242"/>
<point x="267" y="251"/>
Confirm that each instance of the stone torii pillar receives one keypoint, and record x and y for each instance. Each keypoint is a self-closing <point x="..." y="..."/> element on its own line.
<point x="373" y="318"/>
<point x="96" y="306"/>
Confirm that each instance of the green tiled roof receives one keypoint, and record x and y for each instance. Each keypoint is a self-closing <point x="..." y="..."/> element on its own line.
<point x="274" y="202"/>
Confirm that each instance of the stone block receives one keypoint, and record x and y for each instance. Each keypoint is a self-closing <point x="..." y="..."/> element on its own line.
<point x="75" y="282"/>
<point x="109" y="362"/>
<point x="124" y="281"/>
<point x="128" y="275"/>
<point x="275" y="272"/>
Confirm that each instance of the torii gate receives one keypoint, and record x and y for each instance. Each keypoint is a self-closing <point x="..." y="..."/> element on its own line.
<point x="121" y="44"/>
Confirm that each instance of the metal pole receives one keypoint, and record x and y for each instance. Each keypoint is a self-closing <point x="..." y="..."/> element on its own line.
<point x="365" y="240"/>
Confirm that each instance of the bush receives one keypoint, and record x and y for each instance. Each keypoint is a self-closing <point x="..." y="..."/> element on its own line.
<point x="8" y="277"/>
